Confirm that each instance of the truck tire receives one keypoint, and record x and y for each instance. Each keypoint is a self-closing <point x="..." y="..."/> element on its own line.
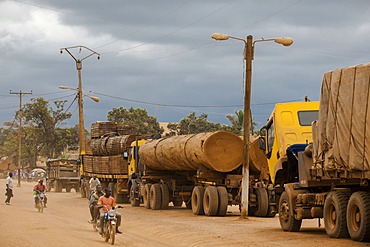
<point x="155" y="197"/>
<point x="335" y="207"/>
<point x="197" y="200"/>
<point x="135" y="202"/>
<point x="83" y="190"/>
<point x="112" y="187"/>
<point x="262" y="202"/>
<point x="287" y="221"/>
<point x="358" y="216"/>
<point x="68" y="188"/>
<point x="76" y="187"/>
<point x="146" y="196"/>
<point x="210" y="201"/>
<point x="58" y="186"/>
<point x="223" y="201"/>
<point x="165" y="196"/>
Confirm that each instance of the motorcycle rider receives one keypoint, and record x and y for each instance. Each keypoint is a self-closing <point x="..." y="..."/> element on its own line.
<point x="94" y="209"/>
<point x="108" y="201"/>
<point x="42" y="188"/>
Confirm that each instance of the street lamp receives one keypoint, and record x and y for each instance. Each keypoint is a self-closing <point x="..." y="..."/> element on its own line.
<point x="96" y="99"/>
<point x="248" y="57"/>
<point x="81" y="115"/>
<point x="80" y="101"/>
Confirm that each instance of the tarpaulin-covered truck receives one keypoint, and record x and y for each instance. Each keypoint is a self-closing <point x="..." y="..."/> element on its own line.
<point x="63" y="174"/>
<point x="329" y="178"/>
<point x="203" y="170"/>
<point x="105" y="158"/>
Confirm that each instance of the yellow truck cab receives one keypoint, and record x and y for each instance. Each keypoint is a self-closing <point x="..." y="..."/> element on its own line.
<point x="288" y="131"/>
<point x="134" y="172"/>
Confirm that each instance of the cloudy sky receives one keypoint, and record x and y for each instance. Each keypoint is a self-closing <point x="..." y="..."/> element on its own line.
<point x="159" y="55"/>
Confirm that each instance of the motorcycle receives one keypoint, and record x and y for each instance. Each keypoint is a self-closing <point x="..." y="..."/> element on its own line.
<point x="109" y="225"/>
<point x="40" y="201"/>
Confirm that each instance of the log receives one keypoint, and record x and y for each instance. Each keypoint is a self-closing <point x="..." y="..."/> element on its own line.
<point x="220" y="151"/>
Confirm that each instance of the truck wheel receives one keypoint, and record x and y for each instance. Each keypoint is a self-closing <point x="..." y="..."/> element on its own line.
<point x="112" y="187"/>
<point x="358" y="216"/>
<point x="223" y="200"/>
<point x="155" y="197"/>
<point x="262" y="202"/>
<point x="133" y="200"/>
<point x="58" y="186"/>
<point x="165" y="196"/>
<point x="83" y="191"/>
<point x="335" y="214"/>
<point x="68" y="188"/>
<point x="146" y="196"/>
<point x="197" y="200"/>
<point x="287" y="221"/>
<point x="210" y="201"/>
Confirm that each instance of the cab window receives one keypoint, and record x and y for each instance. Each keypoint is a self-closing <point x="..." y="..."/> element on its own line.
<point x="307" y="117"/>
<point x="270" y="137"/>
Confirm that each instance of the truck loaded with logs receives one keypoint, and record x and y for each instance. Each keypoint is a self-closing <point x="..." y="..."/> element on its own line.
<point x="105" y="158"/>
<point x="201" y="170"/>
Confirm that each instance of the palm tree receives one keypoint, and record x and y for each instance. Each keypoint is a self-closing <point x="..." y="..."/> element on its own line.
<point x="237" y="122"/>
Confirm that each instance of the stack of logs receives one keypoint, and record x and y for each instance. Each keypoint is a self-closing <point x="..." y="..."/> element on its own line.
<point x="105" y="151"/>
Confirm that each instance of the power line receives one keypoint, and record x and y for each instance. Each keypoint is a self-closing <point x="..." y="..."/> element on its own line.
<point x="153" y="22"/>
<point x="175" y="31"/>
<point x="40" y="6"/>
<point x="189" y="106"/>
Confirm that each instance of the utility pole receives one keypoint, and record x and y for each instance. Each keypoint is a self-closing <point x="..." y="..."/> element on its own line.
<point x="81" y="121"/>
<point x="20" y="93"/>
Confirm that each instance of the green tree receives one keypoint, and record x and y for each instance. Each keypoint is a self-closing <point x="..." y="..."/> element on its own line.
<point x="42" y="134"/>
<point x="193" y="125"/>
<point x="145" y="124"/>
<point x="237" y="123"/>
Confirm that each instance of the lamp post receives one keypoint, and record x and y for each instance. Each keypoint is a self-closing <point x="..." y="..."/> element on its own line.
<point x="81" y="115"/>
<point x="81" y="122"/>
<point x="248" y="57"/>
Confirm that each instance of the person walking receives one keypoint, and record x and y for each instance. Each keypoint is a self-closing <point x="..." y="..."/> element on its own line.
<point x="9" y="188"/>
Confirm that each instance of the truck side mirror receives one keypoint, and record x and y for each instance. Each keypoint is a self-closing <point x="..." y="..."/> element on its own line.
<point x="261" y="143"/>
<point x="125" y="154"/>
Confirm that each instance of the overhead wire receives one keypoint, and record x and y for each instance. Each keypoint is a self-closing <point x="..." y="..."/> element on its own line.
<point x="173" y="32"/>
<point x="151" y="23"/>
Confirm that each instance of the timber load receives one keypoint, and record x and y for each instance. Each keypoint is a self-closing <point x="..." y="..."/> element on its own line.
<point x="111" y="144"/>
<point x="110" y="138"/>
<point x="220" y="151"/>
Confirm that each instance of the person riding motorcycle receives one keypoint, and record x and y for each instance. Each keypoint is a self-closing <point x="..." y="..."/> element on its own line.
<point x="94" y="209"/>
<point x="109" y="202"/>
<point x="42" y="188"/>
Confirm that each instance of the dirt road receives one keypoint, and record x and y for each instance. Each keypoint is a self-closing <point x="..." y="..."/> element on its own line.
<point x="64" y="223"/>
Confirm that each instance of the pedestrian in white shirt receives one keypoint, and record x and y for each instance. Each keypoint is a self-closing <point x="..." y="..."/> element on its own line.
<point x="93" y="182"/>
<point x="9" y="188"/>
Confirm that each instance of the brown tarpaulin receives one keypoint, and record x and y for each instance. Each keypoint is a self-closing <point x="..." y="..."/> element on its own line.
<point x="344" y="119"/>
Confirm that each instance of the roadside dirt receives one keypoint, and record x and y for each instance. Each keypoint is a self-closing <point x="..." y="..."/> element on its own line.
<point x="64" y="223"/>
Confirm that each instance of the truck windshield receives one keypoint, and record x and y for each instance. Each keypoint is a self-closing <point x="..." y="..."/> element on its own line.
<point x="307" y="117"/>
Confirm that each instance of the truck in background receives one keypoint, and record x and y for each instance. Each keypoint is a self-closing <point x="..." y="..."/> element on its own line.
<point x="105" y="159"/>
<point x="202" y="170"/>
<point x="63" y="174"/>
<point x="328" y="176"/>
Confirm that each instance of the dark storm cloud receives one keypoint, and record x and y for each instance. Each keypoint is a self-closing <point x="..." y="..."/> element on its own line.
<point x="161" y="52"/>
